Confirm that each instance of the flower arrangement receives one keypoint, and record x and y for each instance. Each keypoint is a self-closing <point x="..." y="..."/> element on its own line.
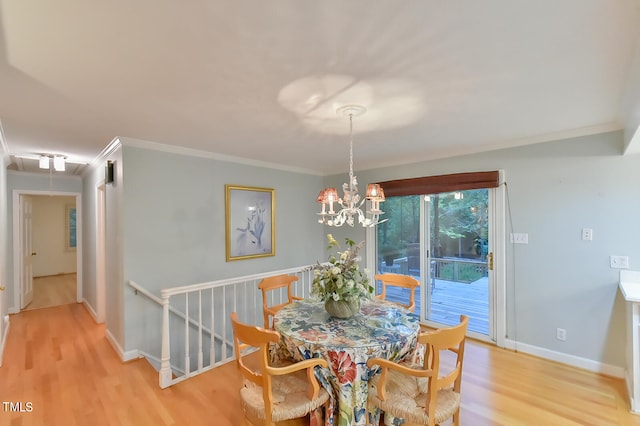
<point x="342" y="278"/>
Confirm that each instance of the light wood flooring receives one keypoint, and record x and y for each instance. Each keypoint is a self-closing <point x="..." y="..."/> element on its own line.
<point x="53" y="290"/>
<point x="59" y="360"/>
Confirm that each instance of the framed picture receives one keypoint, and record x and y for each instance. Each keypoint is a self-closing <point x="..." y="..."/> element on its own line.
<point x="250" y="221"/>
<point x="70" y="227"/>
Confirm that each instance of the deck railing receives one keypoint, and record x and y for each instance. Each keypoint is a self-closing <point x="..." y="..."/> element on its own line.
<point x="442" y="268"/>
<point x="459" y="270"/>
<point x="196" y="331"/>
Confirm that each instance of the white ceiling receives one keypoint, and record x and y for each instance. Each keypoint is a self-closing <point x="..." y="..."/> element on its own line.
<point x="262" y="79"/>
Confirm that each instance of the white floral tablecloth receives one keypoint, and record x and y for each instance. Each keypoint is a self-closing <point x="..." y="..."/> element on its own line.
<point x="380" y="329"/>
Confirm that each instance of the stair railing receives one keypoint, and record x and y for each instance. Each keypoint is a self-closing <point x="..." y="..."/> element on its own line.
<point x="198" y="316"/>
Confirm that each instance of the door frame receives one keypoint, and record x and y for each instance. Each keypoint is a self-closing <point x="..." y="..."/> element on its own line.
<point x="497" y="244"/>
<point x="26" y="250"/>
<point x="101" y="251"/>
<point x="18" y="243"/>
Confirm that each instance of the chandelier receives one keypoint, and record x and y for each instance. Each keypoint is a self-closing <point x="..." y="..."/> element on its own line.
<point x="350" y="204"/>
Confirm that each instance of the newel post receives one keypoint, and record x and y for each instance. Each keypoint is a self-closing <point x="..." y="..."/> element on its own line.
<point x="165" y="364"/>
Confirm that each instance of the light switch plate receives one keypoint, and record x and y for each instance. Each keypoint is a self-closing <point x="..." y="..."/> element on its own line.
<point x="520" y="238"/>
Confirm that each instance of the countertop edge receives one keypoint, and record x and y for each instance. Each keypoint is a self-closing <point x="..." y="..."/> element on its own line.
<point x="630" y="285"/>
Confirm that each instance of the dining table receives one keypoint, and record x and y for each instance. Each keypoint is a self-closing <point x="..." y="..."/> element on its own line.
<point x="380" y="329"/>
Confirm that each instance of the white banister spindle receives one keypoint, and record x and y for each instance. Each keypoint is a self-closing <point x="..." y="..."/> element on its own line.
<point x="224" y="323"/>
<point x="200" y="330"/>
<point x="256" y="310"/>
<point x="187" y="362"/>
<point x="235" y="298"/>
<point x="165" y="360"/>
<point x="212" y="350"/>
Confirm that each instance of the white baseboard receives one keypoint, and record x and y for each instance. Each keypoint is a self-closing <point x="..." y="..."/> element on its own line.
<point x="572" y="360"/>
<point x="90" y="309"/>
<point x="124" y="356"/>
<point x="5" y="333"/>
<point x="153" y="360"/>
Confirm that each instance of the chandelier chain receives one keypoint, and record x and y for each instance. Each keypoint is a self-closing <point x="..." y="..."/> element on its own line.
<point x="350" y="151"/>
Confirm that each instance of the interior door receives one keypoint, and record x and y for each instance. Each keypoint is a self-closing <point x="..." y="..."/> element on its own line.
<point x="27" y="251"/>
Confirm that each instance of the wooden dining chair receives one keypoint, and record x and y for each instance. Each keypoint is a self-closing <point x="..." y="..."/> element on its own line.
<point x="273" y="394"/>
<point x="423" y="394"/>
<point x="402" y="281"/>
<point x="275" y="283"/>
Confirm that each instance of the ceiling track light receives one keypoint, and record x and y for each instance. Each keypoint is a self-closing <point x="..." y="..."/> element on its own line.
<point x="59" y="161"/>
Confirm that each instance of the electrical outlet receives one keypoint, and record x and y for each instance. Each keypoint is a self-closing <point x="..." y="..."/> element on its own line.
<point x="561" y="334"/>
<point x="587" y="234"/>
<point x="619" y="262"/>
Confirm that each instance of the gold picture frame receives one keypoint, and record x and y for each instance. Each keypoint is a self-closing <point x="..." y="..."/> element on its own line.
<point x="250" y="222"/>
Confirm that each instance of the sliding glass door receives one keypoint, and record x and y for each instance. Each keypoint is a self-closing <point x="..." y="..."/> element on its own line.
<point x="443" y="240"/>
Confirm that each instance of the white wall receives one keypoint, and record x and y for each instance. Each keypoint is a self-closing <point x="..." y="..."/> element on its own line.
<point x="557" y="280"/>
<point x="49" y="238"/>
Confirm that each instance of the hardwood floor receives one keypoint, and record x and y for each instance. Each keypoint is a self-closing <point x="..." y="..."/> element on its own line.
<point x="53" y="290"/>
<point x="58" y="360"/>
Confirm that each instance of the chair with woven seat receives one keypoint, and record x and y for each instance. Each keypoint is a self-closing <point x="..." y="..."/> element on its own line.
<point x="275" y="283"/>
<point x="402" y="281"/>
<point x="273" y="394"/>
<point x="426" y="394"/>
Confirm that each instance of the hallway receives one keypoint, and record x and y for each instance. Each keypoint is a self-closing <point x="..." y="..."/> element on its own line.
<point x="53" y="290"/>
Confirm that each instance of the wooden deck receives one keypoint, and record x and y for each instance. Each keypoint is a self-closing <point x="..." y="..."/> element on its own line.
<point x="451" y="299"/>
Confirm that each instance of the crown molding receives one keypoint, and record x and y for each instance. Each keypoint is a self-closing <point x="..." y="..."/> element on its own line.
<point x="172" y="149"/>
<point x="509" y="143"/>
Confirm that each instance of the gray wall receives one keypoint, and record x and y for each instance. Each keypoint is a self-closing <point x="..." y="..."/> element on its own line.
<point x="557" y="280"/>
<point x="173" y="222"/>
<point x="114" y="282"/>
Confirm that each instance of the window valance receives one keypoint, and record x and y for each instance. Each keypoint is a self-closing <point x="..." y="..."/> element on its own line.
<point x="441" y="183"/>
